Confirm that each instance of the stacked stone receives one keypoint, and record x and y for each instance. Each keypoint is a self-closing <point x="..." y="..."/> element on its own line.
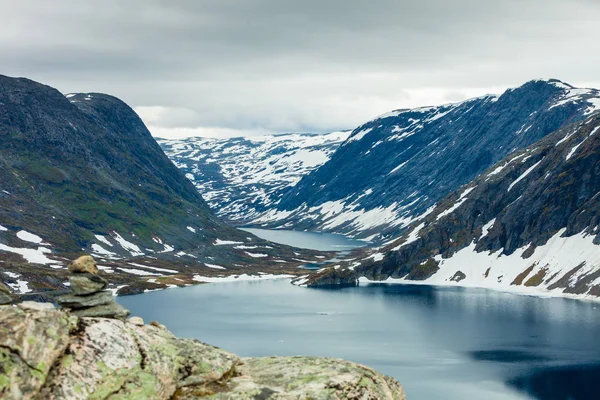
<point x="88" y="297"/>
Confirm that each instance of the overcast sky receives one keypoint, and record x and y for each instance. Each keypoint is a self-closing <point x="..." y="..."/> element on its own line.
<point x="231" y="67"/>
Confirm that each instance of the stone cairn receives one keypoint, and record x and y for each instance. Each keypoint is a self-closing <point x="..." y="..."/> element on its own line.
<point x="88" y="297"/>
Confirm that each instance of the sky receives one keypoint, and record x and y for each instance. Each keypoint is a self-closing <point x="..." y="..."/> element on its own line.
<point x="224" y="68"/>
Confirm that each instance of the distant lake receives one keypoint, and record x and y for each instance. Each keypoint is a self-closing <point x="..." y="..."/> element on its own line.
<point x="307" y="240"/>
<point x="440" y="343"/>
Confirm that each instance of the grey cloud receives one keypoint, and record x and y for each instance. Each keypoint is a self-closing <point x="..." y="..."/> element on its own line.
<point x="282" y="65"/>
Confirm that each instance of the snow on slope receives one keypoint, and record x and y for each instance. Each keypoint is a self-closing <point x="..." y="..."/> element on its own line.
<point x="536" y="275"/>
<point x="541" y="236"/>
<point x="241" y="178"/>
<point x="395" y="167"/>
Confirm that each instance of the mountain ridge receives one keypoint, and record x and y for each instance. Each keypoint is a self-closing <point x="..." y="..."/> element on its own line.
<point x="529" y="223"/>
<point x="82" y="174"/>
<point x="242" y="178"/>
<point x="378" y="182"/>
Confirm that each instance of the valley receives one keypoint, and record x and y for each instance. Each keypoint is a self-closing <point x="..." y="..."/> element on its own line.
<point x="526" y="222"/>
<point x="293" y="200"/>
<point x="176" y="226"/>
<point x="243" y="178"/>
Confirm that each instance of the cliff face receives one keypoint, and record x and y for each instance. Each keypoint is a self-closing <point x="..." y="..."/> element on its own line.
<point x="49" y="353"/>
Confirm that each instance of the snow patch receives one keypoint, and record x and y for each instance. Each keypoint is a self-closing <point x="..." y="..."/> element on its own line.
<point x="214" y="266"/>
<point x="524" y="174"/>
<point x="35" y="256"/>
<point x="133" y="249"/>
<point x="29" y="237"/>
<point x="220" y="242"/>
<point x="239" y="278"/>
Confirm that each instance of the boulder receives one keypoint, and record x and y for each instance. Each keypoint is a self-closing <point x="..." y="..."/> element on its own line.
<point x="111" y="310"/>
<point x="138" y="321"/>
<point x="90" y="300"/>
<point x="86" y="283"/>
<point x="83" y="264"/>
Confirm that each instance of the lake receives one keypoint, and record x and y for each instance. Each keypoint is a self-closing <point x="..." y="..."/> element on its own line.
<point x="321" y="241"/>
<point x="440" y="343"/>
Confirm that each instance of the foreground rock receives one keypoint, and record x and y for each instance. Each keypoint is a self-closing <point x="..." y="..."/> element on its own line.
<point x="51" y="353"/>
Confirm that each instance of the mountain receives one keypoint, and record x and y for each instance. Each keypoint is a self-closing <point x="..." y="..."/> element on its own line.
<point x="392" y="170"/>
<point x="243" y="178"/>
<point x="81" y="173"/>
<point x="531" y="222"/>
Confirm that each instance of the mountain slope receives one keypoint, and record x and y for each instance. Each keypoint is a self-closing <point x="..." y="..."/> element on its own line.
<point x="531" y="220"/>
<point x="82" y="173"/>
<point x="393" y="169"/>
<point x="241" y="178"/>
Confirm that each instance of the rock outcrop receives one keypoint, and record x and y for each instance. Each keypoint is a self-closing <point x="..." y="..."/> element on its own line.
<point x="53" y="354"/>
<point x="88" y="351"/>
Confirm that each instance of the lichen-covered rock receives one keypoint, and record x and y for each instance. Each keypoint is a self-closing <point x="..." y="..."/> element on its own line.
<point x="84" y="264"/>
<point x="52" y="354"/>
<point x="307" y="378"/>
<point x="35" y="306"/>
<point x="112" y="310"/>
<point x="91" y="300"/>
<point x="136" y="321"/>
<point x="30" y="343"/>
<point x="84" y="283"/>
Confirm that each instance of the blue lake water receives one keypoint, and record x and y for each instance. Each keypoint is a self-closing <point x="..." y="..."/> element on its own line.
<point x="322" y="241"/>
<point x="440" y="343"/>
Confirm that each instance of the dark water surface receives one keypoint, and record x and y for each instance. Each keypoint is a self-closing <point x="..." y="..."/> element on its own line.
<point x="440" y="343"/>
<point x="322" y="241"/>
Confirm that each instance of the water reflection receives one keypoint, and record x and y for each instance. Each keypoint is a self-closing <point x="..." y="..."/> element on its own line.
<point x="573" y="382"/>
<point x="322" y="241"/>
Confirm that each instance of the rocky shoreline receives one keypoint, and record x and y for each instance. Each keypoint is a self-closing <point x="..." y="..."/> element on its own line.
<point x="88" y="350"/>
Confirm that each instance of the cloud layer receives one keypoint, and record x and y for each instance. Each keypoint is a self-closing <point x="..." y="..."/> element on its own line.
<point x="229" y="66"/>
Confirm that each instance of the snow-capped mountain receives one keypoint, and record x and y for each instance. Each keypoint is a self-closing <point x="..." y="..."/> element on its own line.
<point x="241" y="178"/>
<point x="394" y="169"/>
<point x="529" y="223"/>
